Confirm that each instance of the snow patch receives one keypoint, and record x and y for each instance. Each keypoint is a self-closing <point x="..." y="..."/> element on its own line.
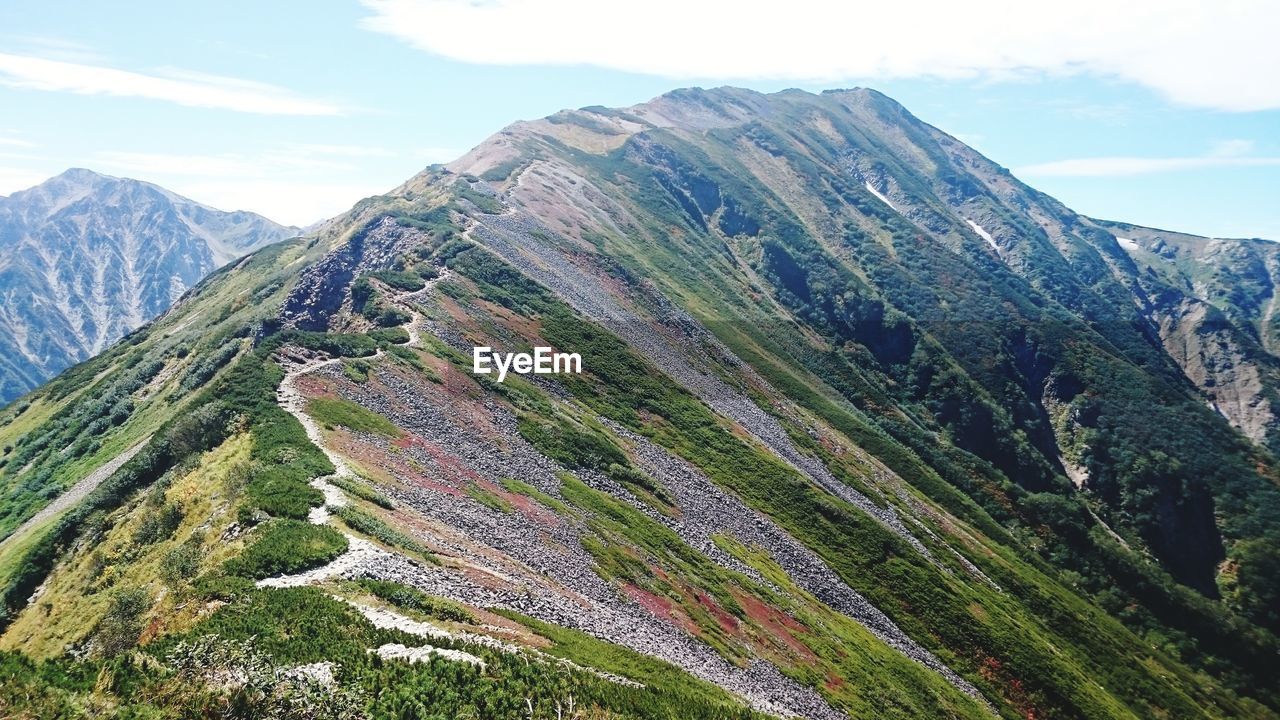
<point x="982" y="233"/>
<point x="881" y="196"/>
<point x="1129" y="244"/>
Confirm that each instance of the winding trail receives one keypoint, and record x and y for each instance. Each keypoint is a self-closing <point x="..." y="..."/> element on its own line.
<point x="361" y="554"/>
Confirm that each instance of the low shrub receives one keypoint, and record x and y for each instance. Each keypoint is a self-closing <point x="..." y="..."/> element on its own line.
<point x="412" y="598"/>
<point x="374" y="527"/>
<point x="287" y="546"/>
<point x="332" y="412"/>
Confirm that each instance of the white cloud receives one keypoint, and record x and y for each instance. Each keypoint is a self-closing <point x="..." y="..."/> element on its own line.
<point x="1226" y="153"/>
<point x="1220" y="55"/>
<point x="176" y="86"/>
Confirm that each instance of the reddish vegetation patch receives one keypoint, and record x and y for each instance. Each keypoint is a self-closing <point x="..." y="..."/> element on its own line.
<point x="527" y="328"/>
<point x="832" y="681"/>
<point x="153" y="629"/>
<point x="727" y="621"/>
<point x="525" y="505"/>
<point x="448" y="465"/>
<point x="661" y="607"/>
<point x="779" y="625"/>
<point x="993" y="670"/>
<point x="371" y="455"/>
<point x="313" y="386"/>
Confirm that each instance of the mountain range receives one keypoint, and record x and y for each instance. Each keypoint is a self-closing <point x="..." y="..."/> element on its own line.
<point x="87" y="258"/>
<point x="866" y="427"/>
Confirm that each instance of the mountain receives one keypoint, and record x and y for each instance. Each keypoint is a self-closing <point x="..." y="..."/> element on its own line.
<point x="1214" y="303"/>
<point x="86" y="258"/>
<point x="865" y="427"/>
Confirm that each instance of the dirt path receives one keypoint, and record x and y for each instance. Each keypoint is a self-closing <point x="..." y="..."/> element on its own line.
<point x="77" y="492"/>
<point x="405" y="301"/>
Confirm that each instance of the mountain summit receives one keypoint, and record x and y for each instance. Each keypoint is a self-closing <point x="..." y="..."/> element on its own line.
<point x="864" y="427"/>
<point x="86" y="258"/>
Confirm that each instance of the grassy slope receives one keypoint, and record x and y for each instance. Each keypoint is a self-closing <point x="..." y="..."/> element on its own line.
<point x="1011" y="643"/>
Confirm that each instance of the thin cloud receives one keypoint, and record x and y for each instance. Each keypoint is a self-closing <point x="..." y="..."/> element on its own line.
<point x="225" y="165"/>
<point x="180" y="87"/>
<point x="1213" y="55"/>
<point x="14" y="179"/>
<point x="351" y="151"/>
<point x="292" y="202"/>
<point x="1227" y="153"/>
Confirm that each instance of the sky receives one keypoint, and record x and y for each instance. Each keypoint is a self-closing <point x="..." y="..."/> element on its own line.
<point x="1164" y="114"/>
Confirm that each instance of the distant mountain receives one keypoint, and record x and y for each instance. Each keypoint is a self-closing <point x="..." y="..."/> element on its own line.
<point x="85" y="258"/>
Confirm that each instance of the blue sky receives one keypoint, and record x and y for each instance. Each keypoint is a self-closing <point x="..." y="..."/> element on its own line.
<point x="1166" y="114"/>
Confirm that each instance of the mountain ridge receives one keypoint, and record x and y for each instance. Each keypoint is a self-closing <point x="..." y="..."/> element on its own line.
<point x="866" y="428"/>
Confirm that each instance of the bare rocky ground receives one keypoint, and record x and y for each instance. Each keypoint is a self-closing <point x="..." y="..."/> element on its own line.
<point x="532" y="563"/>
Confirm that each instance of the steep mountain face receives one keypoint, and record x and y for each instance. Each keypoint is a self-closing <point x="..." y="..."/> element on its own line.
<point x="1214" y="302"/>
<point x="865" y="428"/>
<point x="86" y="258"/>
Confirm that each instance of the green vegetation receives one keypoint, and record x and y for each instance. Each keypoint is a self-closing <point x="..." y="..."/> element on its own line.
<point x="375" y="527"/>
<point x="332" y="412"/>
<point x="932" y="607"/>
<point x="408" y="598"/>
<point x="489" y="499"/>
<point x="362" y="491"/>
<point x="203" y="371"/>
<point x="400" y="279"/>
<point x="257" y="636"/>
<point x="520" y="487"/>
<point x="284" y="546"/>
<point x="575" y="447"/>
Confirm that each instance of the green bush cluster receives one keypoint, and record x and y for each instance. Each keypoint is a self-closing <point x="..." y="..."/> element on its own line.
<point x="283" y="546"/>
<point x="261" y="633"/>
<point x="74" y="432"/>
<point x="181" y="438"/>
<point x="572" y="446"/>
<point x="412" y="598"/>
<point x="405" y="280"/>
<point x="362" y="491"/>
<point x="203" y="370"/>
<point x="375" y="527"/>
<point x="332" y="412"/>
